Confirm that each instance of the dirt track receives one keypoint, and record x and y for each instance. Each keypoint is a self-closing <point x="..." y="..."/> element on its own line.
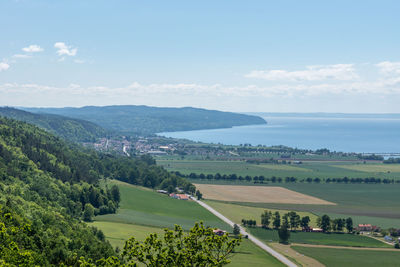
<point x="258" y="194"/>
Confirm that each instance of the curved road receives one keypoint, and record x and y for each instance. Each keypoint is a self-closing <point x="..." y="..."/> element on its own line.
<point x="253" y="239"/>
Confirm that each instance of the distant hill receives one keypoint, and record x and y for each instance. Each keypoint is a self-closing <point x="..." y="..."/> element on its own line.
<point x="68" y="128"/>
<point x="148" y="120"/>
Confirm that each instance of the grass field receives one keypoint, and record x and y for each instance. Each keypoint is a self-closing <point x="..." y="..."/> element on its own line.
<point x="257" y="194"/>
<point x="146" y="207"/>
<point x="325" y="169"/>
<point x="118" y="233"/>
<point x="332" y="257"/>
<point x="238" y="212"/>
<point x="143" y="212"/>
<point x="320" y="238"/>
<point x="374" y="168"/>
<point x="246" y="255"/>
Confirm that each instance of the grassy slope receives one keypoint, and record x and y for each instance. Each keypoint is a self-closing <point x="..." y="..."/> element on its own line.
<point x="311" y="169"/>
<point x="141" y="206"/>
<point x="238" y="212"/>
<point x="320" y="238"/>
<point x="246" y="255"/>
<point x="146" y="207"/>
<point x="351" y="258"/>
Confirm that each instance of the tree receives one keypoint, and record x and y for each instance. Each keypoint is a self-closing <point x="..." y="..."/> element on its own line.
<point x="349" y="224"/>
<point x="339" y="224"/>
<point x="236" y="229"/>
<point x="88" y="212"/>
<point x="277" y="220"/>
<point x="285" y="220"/>
<point x="199" y="195"/>
<point x="116" y="196"/>
<point x="305" y="221"/>
<point x="198" y="247"/>
<point x="294" y="220"/>
<point x="266" y="219"/>
<point x="324" y="223"/>
<point x="284" y="234"/>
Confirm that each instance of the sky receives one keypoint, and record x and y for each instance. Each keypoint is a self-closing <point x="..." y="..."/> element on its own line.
<point x="243" y="56"/>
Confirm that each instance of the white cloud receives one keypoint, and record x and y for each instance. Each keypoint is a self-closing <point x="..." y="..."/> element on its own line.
<point x="340" y="72"/>
<point x="4" y="66"/>
<point x="65" y="50"/>
<point x="32" y="49"/>
<point x="389" y="68"/>
<point x="21" y="56"/>
<point x="79" y="61"/>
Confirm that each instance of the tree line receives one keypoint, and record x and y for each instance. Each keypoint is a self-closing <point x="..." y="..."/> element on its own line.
<point x="293" y="221"/>
<point x="262" y="179"/>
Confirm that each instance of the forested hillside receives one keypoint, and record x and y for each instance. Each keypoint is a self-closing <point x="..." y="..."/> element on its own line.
<point x="47" y="187"/>
<point x="145" y="120"/>
<point x="68" y="128"/>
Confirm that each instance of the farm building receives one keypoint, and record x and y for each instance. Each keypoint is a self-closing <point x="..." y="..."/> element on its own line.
<point x="388" y="238"/>
<point x="179" y="196"/>
<point x="310" y="229"/>
<point x="367" y="228"/>
<point x="219" y="232"/>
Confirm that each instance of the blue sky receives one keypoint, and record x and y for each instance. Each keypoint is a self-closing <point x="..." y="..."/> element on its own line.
<point x="277" y="56"/>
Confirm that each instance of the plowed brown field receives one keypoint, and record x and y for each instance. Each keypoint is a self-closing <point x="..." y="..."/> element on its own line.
<point x="258" y="194"/>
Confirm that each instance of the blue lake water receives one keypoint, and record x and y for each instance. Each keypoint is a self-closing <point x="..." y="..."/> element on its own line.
<point x="347" y="134"/>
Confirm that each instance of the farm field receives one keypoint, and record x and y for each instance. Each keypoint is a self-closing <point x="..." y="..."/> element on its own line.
<point x="258" y="194"/>
<point x="332" y="239"/>
<point x="365" y="203"/>
<point x="312" y="169"/>
<point x="238" y="212"/>
<point x="374" y="168"/>
<point x="333" y="257"/>
<point x="145" y="207"/>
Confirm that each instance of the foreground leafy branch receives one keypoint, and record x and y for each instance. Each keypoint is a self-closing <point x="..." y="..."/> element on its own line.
<point x="199" y="247"/>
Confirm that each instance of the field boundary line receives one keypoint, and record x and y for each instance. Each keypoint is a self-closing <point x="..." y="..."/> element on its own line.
<point x="343" y="247"/>
<point x="253" y="239"/>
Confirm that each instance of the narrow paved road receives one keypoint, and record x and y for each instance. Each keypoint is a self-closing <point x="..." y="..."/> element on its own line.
<point x="271" y="251"/>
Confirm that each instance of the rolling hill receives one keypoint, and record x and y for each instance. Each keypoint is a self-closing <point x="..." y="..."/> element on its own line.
<point x="149" y="120"/>
<point x="68" y="128"/>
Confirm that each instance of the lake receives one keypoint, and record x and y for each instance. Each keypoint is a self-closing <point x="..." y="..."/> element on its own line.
<point x="369" y="134"/>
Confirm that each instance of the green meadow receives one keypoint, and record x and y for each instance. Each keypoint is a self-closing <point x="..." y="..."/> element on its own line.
<point x="312" y="169"/>
<point x="146" y="207"/>
<point x="333" y="257"/>
<point x="246" y="255"/>
<point x="143" y="211"/>
<point x="332" y="239"/>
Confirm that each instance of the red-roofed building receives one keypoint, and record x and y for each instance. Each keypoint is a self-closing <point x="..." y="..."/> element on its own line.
<point x="365" y="227"/>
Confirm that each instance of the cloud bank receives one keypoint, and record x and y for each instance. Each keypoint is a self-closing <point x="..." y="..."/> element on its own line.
<point x="341" y="72"/>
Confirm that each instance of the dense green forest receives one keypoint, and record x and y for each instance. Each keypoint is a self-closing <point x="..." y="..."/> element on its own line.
<point x="71" y="129"/>
<point x="147" y="120"/>
<point x="47" y="187"/>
